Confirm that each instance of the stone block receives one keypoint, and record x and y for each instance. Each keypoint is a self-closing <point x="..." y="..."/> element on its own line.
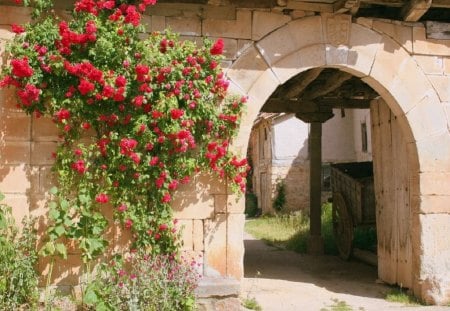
<point x="65" y="272"/>
<point x="8" y="102"/>
<point x="42" y="153"/>
<point x="197" y="234"/>
<point x="442" y="86"/>
<point x="215" y="231"/>
<point x="434" y="183"/>
<point x="47" y="179"/>
<point x="247" y="68"/>
<point x="5" y="33"/>
<point x="210" y="183"/>
<point x="158" y="23"/>
<point x="192" y="206"/>
<point x="241" y="28"/>
<point x="184" y="26"/>
<point x="15" y="126"/>
<point x="364" y="21"/>
<point x="14" y="15"/>
<point x="296" y="14"/>
<point x="363" y="46"/>
<point x="446" y="65"/>
<point x="400" y="75"/>
<point x="186" y="228"/>
<point x="433" y="153"/>
<point x="431" y="65"/>
<point x="266" y="22"/>
<point x="44" y="129"/>
<point x="235" y="245"/>
<point x="264" y="86"/>
<point x="235" y="203"/>
<point x="336" y="56"/>
<point x="400" y="33"/>
<point x="435" y="258"/>
<point x="19" y="205"/>
<point x="432" y="204"/>
<point x="19" y="179"/>
<point x="422" y="45"/>
<point x="242" y="45"/>
<point x="217" y="287"/>
<point x="15" y="153"/>
<point x="427" y="118"/>
<point x="277" y="45"/>
<point x="220" y="203"/>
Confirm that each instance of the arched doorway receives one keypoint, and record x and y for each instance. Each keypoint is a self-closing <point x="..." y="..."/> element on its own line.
<point x="384" y="65"/>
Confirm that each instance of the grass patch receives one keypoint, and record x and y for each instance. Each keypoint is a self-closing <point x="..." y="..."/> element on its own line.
<point x="291" y="231"/>
<point x="251" y="304"/>
<point x="400" y="295"/>
<point x="339" y="305"/>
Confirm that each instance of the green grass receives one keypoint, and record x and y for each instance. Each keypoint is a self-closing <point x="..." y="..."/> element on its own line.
<point x="251" y="304"/>
<point x="291" y="231"/>
<point x="402" y="296"/>
<point x="340" y="305"/>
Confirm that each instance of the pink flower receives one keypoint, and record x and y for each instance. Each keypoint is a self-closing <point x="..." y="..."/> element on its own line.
<point x="122" y="207"/>
<point x="128" y="223"/>
<point x="91" y="27"/>
<point x="102" y="198"/>
<point x="163" y="227"/>
<point x="127" y="145"/>
<point x="217" y="47"/>
<point x="176" y="113"/>
<point x="154" y="161"/>
<point x="121" y="81"/>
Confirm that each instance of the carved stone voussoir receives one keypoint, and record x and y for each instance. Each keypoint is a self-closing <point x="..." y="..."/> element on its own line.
<point x="338" y="29"/>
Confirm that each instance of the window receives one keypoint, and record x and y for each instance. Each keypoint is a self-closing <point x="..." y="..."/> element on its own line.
<point x="363" y="137"/>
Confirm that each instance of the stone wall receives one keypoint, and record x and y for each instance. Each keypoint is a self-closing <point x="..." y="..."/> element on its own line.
<point x="265" y="48"/>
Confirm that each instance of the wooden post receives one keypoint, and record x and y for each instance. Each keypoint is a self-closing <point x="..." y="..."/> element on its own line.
<point x="315" y="241"/>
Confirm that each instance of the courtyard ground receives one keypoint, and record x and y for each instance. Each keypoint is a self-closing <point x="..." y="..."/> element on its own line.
<point x="281" y="280"/>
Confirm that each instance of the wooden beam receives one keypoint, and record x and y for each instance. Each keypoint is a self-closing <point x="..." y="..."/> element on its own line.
<point x="413" y="10"/>
<point x="279" y="105"/>
<point x="344" y="6"/>
<point x="305" y="80"/>
<point x="436" y="30"/>
<point x="334" y="81"/>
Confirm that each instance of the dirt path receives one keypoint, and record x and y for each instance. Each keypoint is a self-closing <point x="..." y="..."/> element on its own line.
<point x="281" y="280"/>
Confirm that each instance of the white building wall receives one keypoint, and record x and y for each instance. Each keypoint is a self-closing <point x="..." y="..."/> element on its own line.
<point x="338" y="142"/>
<point x="360" y="117"/>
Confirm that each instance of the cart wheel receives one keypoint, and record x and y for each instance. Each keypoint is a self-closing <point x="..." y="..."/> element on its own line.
<point x="342" y="226"/>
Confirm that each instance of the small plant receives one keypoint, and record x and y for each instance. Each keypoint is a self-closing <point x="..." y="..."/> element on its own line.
<point x="399" y="294"/>
<point x="280" y="198"/>
<point x="19" y="280"/>
<point x="144" y="282"/>
<point x="339" y="305"/>
<point x="251" y="304"/>
<point x="251" y="205"/>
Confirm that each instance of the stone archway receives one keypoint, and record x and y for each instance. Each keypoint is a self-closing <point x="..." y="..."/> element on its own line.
<point x="385" y="65"/>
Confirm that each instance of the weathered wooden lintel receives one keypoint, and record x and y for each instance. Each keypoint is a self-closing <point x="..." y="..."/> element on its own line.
<point x="278" y="105"/>
<point x="436" y="30"/>
<point x="413" y="10"/>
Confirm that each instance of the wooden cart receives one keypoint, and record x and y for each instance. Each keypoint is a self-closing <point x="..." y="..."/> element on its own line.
<point x="353" y="201"/>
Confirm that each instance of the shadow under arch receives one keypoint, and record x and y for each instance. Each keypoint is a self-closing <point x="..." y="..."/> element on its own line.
<point x="379" y="61"/>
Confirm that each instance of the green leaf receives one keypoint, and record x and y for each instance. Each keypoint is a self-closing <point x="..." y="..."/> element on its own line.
<point x="90" y="297"/>
<point x="2" y="196"/>
<point x="48" y="249"/>
<point x="54" y="213"/>
<point x="61" y="250"/>
<point x="59" y="230"/>
<point x="53" y="190"/>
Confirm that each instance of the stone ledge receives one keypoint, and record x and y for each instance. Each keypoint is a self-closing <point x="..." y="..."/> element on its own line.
<point x="210" y="287"/>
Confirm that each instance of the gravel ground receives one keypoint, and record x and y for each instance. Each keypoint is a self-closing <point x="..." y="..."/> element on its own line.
<point x="282" y="280"/>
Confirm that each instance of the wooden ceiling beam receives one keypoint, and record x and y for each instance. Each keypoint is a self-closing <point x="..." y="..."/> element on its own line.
<point x="279" y="105"/>
<point x="347" y="6"/>
<point x="335" y="80"/>
<point x="413" y="10"/>
<point x="304" y="80"/>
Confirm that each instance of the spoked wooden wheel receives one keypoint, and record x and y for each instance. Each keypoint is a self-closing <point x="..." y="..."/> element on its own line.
<point x="342" y="226"/>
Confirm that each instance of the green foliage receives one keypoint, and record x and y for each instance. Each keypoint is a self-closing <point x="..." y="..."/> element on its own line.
<point x="19" y="280"/>
<point x="251" y="205"/>
<point x="280" y="198"/>
<point x="339" y="305"/>
<point x="401" y="295"/>
<point x="251" y="304"/>
<point x="143" y="282"/>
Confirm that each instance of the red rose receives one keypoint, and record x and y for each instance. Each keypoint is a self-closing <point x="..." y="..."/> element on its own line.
<point x="102" y="198"/>
<point x="163" y="227"/>
<point x="85" y="87"/>
<point x="176" y="113"/>
<point x="21" y="68"/>
<point x="17" y="28"/>
<point x="217" y="47"/>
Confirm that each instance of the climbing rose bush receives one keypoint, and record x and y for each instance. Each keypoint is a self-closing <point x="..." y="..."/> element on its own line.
<point x="139" y="113"/>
